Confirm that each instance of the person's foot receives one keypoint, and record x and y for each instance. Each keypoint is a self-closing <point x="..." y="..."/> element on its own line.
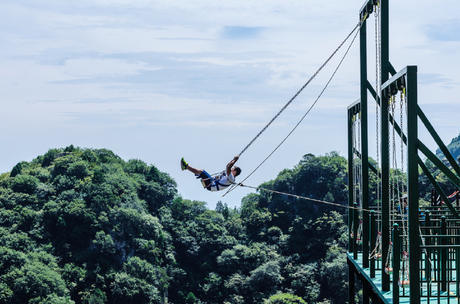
<point x="183" y="164"/>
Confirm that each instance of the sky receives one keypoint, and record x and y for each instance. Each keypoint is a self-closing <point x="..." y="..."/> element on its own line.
<point x="161" y="80"/>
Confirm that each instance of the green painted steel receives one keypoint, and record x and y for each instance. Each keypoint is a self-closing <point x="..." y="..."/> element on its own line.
<point x="438" y="163"/>
<point x="384" y="139"/>
<point x="437" y="187"/>
<point x="438" y="140"/>
<point x="385" y="39"/>
<point x="366" y="293"/>
<point x="457" y="267"/>
<point x="412" y="184"/>
<point x="385" y="169"/>
<point x="443" y="255"/>
<point x="396" y="262"/>
<point x="351" y="285"/>
<point x="431" y="156"/>
<point x="355" y="229"/>
<point x="406" y="78"/>
<point x="387" y="297"/>
<point x="364" y="143"/>
<point x="350" y="180"/>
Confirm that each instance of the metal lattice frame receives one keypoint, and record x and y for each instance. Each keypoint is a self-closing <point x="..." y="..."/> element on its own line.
<point x="390" y="83"/>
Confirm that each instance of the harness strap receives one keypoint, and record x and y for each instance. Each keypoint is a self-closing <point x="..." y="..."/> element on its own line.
<point x="217" y="181"/>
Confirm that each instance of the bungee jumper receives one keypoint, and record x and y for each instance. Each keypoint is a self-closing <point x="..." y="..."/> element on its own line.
<point x="215" y="182"/>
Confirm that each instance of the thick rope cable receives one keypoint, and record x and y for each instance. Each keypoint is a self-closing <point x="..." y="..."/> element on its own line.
<point x="301" y="119"/>
<point x="299" y="91"/>
<point x="377" y="107"/>
<point x="306" y="198"/>
<point x="377" y="251"/>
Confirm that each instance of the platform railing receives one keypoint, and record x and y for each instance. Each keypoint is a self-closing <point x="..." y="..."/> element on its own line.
<point x="439" y="260"/>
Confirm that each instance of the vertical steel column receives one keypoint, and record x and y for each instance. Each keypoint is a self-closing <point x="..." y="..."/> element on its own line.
<point x="373" y="231"/>
<point x="384" y="38"/>
<point x="351" y="185"/>
<point x="444" y="260"/>
<point x="396" y="263"/>
<point x="351" y="284"/>
<point x="366" y="292"/>
<point x="364" y="143"/>
<point x="355" y="230"/>
<point x="385" y="158"/>
<point x="384" y="135"/>
<point x="412" y="189"/>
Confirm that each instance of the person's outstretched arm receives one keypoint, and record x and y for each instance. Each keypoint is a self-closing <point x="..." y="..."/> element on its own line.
<point x="230" y="164"/>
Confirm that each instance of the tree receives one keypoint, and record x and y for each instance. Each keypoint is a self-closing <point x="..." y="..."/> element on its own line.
<point x="266" y="277"/>
<point x="83" y="225"/>
<point x="125" y="288"/>
<point x="24" y="184"/>
<point x="285" y="298"/>
<point x="18" y="168"/>
<point x="36" y="280"/>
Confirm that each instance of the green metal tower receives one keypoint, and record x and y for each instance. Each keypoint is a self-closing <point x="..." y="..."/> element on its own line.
<point x="398" y="267"/>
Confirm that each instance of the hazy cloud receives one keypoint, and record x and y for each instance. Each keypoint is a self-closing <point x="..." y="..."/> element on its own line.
<point x="133" y="75"/>
<point x="241" y="32"/>
<point x="448" y="30"/>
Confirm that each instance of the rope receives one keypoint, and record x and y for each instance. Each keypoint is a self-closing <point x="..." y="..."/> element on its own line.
<point x="304" y="198"/>
<point x="307" y="198"/>
<point x="302" y="118"/>
<point x="389" y="269"/>
<point x="377" y="251"/>
<point x="311" y="199"/>
<point x="359" y="233"/>
<point x="299" y="91"/>
<point x="377" y="108"/>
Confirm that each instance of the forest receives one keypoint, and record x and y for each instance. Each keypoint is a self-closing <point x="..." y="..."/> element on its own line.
<point x="85" y="226"/>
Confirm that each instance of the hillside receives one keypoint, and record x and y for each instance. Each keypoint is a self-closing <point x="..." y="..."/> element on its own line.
<point x="454" y="148"/>
<point x="85" y="226"/>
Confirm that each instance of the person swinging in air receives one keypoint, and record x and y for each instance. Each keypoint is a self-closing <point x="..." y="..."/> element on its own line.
<point x="216" y="182"/>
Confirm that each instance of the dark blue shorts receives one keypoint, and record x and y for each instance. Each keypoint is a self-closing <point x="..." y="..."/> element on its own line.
<point x="206" y="179"/>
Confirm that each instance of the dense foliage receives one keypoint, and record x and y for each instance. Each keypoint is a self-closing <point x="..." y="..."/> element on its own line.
<point x="84" y="226"/>
<point x="81" y="226"/>
<point x="453" y="147"/>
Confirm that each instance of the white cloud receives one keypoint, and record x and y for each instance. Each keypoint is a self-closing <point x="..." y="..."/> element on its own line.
<point x="89" y="67"/>
<point x="167" y="67"/>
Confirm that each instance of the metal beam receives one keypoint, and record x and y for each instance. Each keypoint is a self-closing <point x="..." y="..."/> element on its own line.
<point x="424" y="149"/>
<point x="391" y="69"/>
<point x="438" y="163"/>
<point x="437" y="187"/>
<point x="412" y="185"/>
<point x="396" y="262"/>
<point x="384" y="136"/>
<point x="351" y="283"/>
<point x="438" y="140"/>
<point x="364" y="143"/>
<point x="350" y="179"/>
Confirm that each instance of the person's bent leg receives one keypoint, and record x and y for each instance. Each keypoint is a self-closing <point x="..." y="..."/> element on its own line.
<point x="197" y="172"/>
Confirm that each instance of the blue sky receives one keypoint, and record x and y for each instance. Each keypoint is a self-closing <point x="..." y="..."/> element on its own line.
<point x="157" y="80"/>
